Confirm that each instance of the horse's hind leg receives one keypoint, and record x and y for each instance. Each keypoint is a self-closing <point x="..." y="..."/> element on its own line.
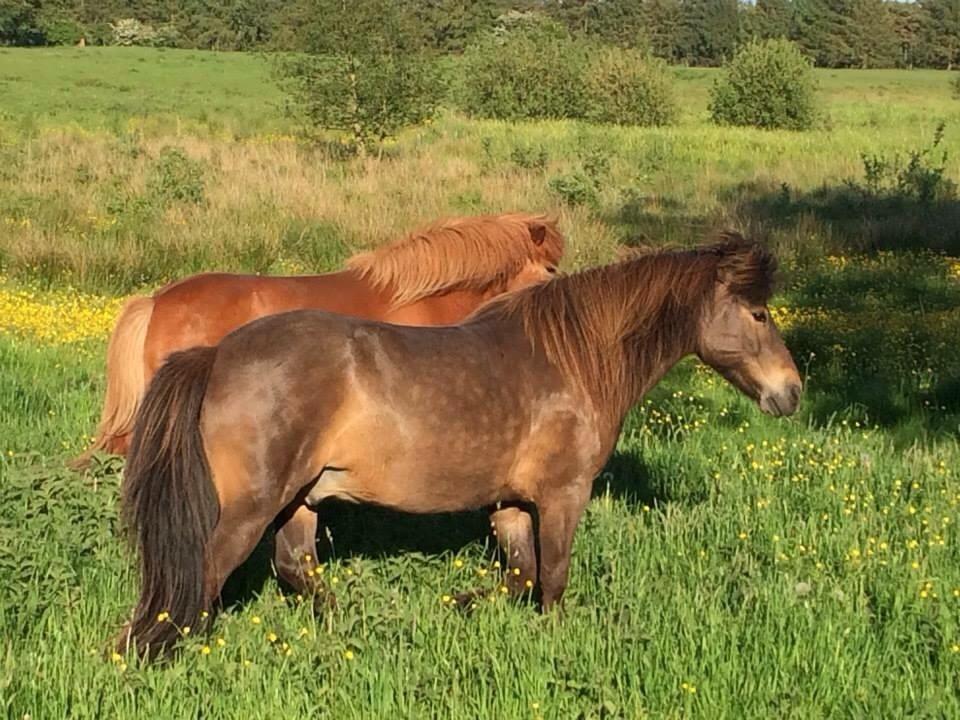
<point x="295" y="554"/>
<point x="513" y="528"/>
<point x="247" y="508"/>
<point x="239" y="529"/>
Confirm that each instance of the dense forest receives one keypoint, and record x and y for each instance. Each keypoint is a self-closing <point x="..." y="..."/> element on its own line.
<point x="834" y="33"/>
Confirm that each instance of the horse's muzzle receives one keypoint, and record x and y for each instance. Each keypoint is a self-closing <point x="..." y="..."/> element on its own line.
<point x="783" y="402"/>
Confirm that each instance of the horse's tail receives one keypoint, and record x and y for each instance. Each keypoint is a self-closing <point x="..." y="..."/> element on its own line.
<point x="126" y="378"/>
<point x="169" y="504"/>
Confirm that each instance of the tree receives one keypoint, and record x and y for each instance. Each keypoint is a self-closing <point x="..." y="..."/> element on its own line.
<point x="942" y="32"/>
<point x="821" y="29"/>
<point x="664" y="20"/>
<point x="709" y="31"/>
<point x="766" y="19"/>
<point x="872" y="38"/>
<point x="908" y="19"/>
<point x="19" y="24"/>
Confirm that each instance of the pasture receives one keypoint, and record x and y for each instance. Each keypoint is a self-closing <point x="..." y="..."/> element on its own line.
<point x="729" y="564"/>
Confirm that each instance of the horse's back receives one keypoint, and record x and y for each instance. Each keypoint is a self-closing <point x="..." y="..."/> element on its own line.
<point x="202" y="309"/>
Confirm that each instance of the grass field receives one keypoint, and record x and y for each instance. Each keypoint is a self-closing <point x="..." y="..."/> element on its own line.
<point x="730" y="565"/>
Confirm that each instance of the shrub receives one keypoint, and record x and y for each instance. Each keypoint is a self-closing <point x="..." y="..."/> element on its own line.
<point x="583" y="185"/>
<point x="629" y="88"/>
<point x="530" y="69"/>
<point x="768" y="84"/>
<point x="175" y="177"/>
<point x="130" y="31"/>
<point x="371" y="96"/>
<point x="921" y="178"/>
<point x="366" y="74"/>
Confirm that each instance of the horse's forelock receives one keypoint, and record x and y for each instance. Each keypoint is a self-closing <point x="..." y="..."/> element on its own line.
<point x="746" y="267"/>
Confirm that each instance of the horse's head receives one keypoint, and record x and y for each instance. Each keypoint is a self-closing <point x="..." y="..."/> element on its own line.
<point x="544" y="250"/>
<point x="737" y="335"/>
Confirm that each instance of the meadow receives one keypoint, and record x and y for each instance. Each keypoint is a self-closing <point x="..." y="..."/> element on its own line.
<point x="729" y="565"/>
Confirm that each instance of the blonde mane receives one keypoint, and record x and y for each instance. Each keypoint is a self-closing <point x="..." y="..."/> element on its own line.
<point x="610" y="328"/>
<point x="476" y="253"/>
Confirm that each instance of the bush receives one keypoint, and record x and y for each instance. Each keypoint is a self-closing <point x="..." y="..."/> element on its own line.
<point x="768" y="84"/>
<point x="175" y="177"/>
<point x="366" y="74"/>
<point x="922" y="178"/>
<point x="628" y="88"/>
<point x="531" y="69"/>
<point x="371" y="96"/>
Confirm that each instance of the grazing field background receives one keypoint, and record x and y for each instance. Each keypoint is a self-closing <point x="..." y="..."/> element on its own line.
<point x="729" y="565"/>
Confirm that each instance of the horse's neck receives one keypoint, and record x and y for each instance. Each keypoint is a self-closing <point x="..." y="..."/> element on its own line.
<point x="655" y="343"/>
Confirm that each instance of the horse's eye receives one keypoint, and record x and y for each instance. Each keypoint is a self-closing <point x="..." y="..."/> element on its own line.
<point x="552" y="269"/>
<point x="759" y="316"/>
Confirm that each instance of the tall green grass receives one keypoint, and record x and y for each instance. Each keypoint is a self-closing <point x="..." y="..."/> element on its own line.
<point x="729" y="566"/>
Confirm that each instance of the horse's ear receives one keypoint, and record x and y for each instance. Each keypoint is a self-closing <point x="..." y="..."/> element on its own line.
<point x="538" y="233"/>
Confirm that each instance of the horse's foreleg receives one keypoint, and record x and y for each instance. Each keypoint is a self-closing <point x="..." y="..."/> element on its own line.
<point x="513" y="528"/>
<point x="558" y="512"/>
<point x="295" y="554"/>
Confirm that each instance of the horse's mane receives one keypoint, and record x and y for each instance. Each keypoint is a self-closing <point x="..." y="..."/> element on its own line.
<point x="609" y="328"/>
<point x="474" y="253"/>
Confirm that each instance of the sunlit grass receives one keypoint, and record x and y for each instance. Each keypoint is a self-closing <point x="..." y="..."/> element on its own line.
<point x="729" y="565"/>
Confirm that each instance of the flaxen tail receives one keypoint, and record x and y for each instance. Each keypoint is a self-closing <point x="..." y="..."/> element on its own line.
<point x="169" y="504"/>
<point x="126" y="378"/>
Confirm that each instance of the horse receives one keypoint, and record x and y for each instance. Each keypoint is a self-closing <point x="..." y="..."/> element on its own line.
<point x="520" y="405"/>
<point x="434" y="276"/>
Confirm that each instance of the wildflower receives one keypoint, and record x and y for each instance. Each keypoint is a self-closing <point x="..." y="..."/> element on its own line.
<point x="205" y="650"/>
<point x="186" y="630"/>
<point x="528" y="584"/>
<point x="255" y="619"/>
<point x="742" y="535"/>
<point x="348" y="655"/>
<point x="458" y="563"/>
<point x="221" y="642"/>
<point x="116" y="657"/>
<point x="271" y="637"/>
<point x="163" y="617"/>
<point x="445" y="599"/>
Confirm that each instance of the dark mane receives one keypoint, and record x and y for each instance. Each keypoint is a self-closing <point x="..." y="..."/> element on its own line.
<point x="609" y="328"/>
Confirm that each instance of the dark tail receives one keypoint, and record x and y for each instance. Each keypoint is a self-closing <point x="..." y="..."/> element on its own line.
<point x="169" y="504"/>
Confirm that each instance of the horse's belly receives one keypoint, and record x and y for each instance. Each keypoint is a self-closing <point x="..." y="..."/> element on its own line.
<point x="392" y="461"/>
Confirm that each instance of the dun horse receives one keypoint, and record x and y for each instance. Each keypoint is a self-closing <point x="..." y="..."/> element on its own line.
<point x="435" y="276"/>
<point x="520" y="404"/>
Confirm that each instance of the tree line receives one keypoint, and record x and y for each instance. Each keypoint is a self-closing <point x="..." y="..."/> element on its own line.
<point x="833" y="33"/>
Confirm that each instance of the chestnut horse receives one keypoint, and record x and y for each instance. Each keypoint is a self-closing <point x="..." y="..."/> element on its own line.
<point x="522" y="403"/>
<point x="435" y="276"/>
